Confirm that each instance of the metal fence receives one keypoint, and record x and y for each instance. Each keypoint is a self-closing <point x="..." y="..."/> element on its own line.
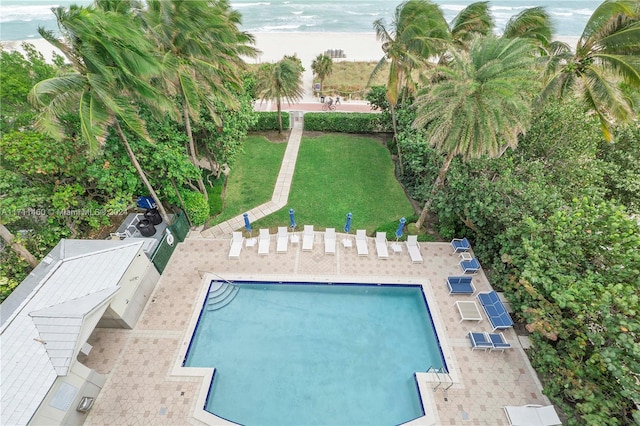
<point x="175" y="233"/>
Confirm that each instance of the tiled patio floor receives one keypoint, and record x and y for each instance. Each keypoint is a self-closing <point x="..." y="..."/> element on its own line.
<point x="140" y="364"/>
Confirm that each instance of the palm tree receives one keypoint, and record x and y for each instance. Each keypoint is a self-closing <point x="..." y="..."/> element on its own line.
<point x="607" y="53"/>
<point x="200" y="46"/>
<point x="472" y="21"/>
<point x="280" y="80"/>
<point x="418" y="31"/>
<point x="20" y="250"/>
<point x="322" y="66"/>
<point x="533" y="23"/>
<point x="111" y="66"/>
<point x="480" y="106"/>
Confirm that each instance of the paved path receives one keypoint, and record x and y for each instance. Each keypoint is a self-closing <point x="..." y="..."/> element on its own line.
<point x="280" y="192"/>
<point x="283" y="183"/>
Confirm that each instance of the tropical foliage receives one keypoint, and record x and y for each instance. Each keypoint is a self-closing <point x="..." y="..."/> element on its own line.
<point x="111" y="67"/>
<point x="480" y="105"/>
<point x="280" y="81"/>
<point x="553" y="220"/>
<point x="418" y="31"/>
<point x="186" y="34"/>
<point x="607" y="53"/>
<point x="322" y="67"/>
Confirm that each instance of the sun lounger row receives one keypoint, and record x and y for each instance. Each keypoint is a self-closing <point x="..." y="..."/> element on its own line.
<point x="308" y="236"/>
<point x="491" y="341"/>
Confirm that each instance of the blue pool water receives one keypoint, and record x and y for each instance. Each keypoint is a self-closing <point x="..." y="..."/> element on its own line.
<point x="292" y="354"/>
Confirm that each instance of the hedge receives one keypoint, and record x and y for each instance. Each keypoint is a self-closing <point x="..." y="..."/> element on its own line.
<point x="352" y="122"/>
<point x="269" y="121"/>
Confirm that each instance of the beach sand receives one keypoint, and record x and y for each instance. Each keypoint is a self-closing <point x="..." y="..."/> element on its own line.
<point x="273" y="46"/>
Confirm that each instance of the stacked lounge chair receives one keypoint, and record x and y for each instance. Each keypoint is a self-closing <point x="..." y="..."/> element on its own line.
<point x="495" y="310"/>
<point x="330" y="241"/>
<point x="460" y="245"/>
<point x="470" y="266"/>
<point x="236" y="245"/>
<point x="361" y="242"/>
<point x="414" y="249"/>
<point x="532" y="415"/>
<point x="460" y="285"/>
<point x="282" y="240"/>
<point x="490" y="341"/>
<point x="264" y="241"/>
<point x="307" y="238"/>
<point x="381" y="245"/>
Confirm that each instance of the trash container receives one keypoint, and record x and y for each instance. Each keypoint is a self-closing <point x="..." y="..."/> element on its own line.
<point x="153" y="216"/>
<point x="146" y="228"/>
<point x="322" y="98"/>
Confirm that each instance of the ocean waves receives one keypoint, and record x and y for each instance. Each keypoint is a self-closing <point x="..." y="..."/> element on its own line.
<point x="19" y="19"/>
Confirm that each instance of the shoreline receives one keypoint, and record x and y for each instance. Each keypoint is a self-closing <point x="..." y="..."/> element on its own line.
<point x="274" y="45"/>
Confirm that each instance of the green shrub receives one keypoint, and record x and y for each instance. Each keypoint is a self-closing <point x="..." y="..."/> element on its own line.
<point x="354" y="122"/>
<point x="215" y="196"/>
<point x="269" y="121"/>
<point x="196" y="206"/>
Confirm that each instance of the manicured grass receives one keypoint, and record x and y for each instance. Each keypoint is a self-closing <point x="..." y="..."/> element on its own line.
<point x="337" y="174"/>
<point x="252" y="177"/>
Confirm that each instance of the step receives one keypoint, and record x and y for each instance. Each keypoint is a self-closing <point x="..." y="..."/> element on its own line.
<point x="219" y="303"/>
<point x="219" y="294"/>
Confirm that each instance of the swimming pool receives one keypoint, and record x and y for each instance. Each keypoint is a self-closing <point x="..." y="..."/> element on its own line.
<point x="302" y="353"/>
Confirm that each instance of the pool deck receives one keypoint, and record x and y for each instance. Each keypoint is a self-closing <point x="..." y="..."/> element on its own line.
<point x="146" y="385"/>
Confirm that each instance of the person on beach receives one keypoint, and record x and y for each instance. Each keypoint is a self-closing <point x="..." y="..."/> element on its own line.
<point x="338" y="100"/>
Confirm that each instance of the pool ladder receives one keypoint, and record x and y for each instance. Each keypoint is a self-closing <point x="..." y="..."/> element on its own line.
<point x="442" y="376"/>
<point x="220" y="295"/>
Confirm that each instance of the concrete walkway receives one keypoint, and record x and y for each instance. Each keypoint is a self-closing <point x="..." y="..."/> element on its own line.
<point x="280" y="192"/>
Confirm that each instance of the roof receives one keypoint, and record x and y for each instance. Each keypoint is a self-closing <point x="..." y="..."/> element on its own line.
<point x="41" y="322"/>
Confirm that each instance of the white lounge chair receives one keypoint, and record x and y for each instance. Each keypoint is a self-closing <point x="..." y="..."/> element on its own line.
<point x="532" y="415"/>
<point x="264" y="240"/>
<point x="414" y="249"/>
<point x="361" y="242"/>
<point x="381" y="245"/>
<point x="282" y="241"/>
<point x="307" y="238"/>
<point x="236" y="245"/>
<point x="330" y="241"/>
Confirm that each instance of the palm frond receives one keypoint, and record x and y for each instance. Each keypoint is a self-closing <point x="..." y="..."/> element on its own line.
<point x="533" y="23"/>
<point x="473" y="20"/>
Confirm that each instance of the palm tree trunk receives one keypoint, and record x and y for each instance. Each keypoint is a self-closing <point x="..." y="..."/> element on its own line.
<point x="279" y="105"/>
<point x="395" y="137"/>
<point x="192" y="147"/>
<point x="135" y="163"/>
<point x="437" y="185"/>
<point x="17" y="247"/>
<point x="184" y="209"/>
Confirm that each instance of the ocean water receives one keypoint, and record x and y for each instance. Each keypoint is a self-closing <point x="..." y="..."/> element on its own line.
<point x="20" y="19"/>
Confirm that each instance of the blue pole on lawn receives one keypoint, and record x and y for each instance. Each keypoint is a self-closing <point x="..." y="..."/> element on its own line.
<point x="400" y="228"/>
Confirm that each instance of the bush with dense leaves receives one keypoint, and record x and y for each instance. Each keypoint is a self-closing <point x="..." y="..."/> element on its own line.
<point x="268" y="121"/>
<point x="196" y="207"/>
<point x="352" y="122"/>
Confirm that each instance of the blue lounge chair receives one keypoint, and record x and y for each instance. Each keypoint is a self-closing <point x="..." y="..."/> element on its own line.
<point x="470" y="266"/>
<point x="460" y="285"/>
<point x="479" y="341"/>
<point x="495" y="310"/>
<point x="460" y="244"/>
<point x="498" y="342"/>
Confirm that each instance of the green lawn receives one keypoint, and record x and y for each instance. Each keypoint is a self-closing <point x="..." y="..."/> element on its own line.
<point x="252" y="177"/>
<point x="336" y="174"/>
